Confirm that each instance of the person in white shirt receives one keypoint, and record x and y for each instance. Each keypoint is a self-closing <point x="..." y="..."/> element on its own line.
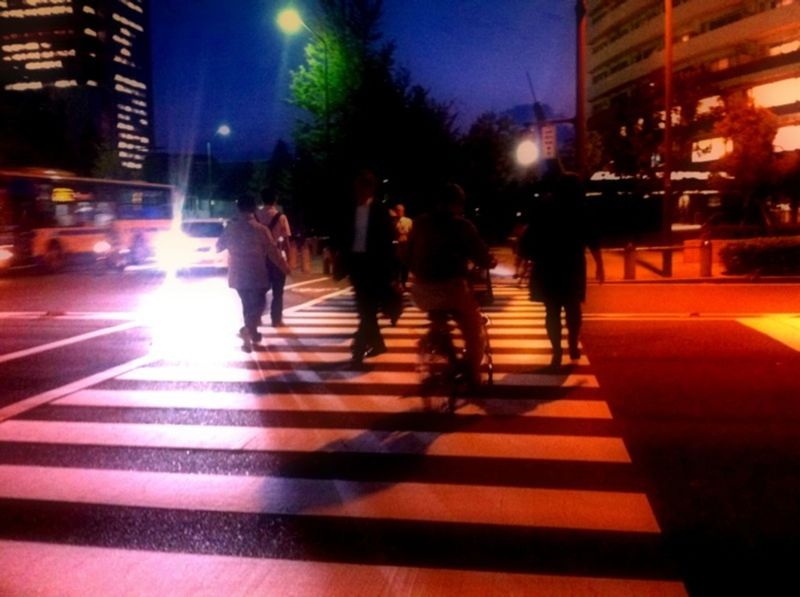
<point x="365" y="252"/>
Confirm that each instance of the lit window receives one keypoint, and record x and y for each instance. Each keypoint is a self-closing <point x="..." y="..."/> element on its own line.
<point x="709" y="150"/>
<point x="66" y="83"/>
<point x="787" y="138"/>
<point x="90" y="32"/>
<point x="707" y="104"/>
<point x="787" y="48"/>
<point x="779" y="93"/>
<point x="44" y="65"/>
<point x="24" y="86"/>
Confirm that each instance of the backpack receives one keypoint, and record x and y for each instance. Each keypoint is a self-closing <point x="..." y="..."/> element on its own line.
<point x="282" y="242"/>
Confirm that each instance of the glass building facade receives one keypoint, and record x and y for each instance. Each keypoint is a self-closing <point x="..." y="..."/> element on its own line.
<point x="745" y="46"/>
<point x="97" y="50"/>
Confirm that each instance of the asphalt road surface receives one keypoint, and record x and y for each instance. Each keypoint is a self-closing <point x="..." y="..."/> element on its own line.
<point x="142" y="451"/>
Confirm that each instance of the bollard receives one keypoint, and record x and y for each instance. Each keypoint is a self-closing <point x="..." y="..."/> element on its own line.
<point x="327" y="261"/>
<point x="666" y="262"/>
<point x="292" y="254"/>
<point x="705" y="259"/>
<point x="305" y="258"/>
<point x="630" y="262"/>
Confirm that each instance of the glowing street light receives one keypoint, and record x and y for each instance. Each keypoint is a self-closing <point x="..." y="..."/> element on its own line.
<point x="223" y="130"/>
<point x="527" y="152"/>
<point x="290" y="22"/>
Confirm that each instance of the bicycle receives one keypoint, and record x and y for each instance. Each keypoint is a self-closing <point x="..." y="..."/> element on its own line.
<point x="443" y="368"/>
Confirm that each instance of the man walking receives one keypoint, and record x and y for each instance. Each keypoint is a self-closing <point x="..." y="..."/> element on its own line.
<point x="365" y="252"/>
<point x="278" y="225"/>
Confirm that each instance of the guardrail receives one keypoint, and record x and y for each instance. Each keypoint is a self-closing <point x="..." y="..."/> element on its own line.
<point x="629" y="252"/>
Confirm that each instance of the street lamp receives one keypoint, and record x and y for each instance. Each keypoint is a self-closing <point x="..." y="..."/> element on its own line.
<point x="527" y="152"/>
<point x="290" y="22"/>
<point x="223" y="130"/>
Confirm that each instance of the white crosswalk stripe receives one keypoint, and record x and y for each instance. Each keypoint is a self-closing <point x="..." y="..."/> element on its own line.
<point x="291" y="463"/>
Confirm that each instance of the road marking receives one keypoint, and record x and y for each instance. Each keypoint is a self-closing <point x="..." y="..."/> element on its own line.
<point x="429" y="502"/>
<point x="30" y="403"/>
<point x="302" y="403"/>
<point x="564" y="448"/>
<point x="67" y="341"/>
<point x="210" y="373"/>
<point x="272" y="356"/>
<point x="783" y="328"/>
<point x="305" y="283"/>
<point x="39" y="568"/>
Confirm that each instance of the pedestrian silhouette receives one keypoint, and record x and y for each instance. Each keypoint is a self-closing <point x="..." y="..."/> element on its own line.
<point x="555" y="241"/>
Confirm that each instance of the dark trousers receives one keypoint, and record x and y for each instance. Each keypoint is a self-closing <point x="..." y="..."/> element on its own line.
<point x="369" y="290"/>
<point x="552" y="322"/>
<point x="277" y="281"/>
<point x="253" y="302"/>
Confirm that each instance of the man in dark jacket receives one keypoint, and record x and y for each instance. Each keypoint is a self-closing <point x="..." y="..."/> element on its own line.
<point x="556" y="241"/>
<point x="365" y="252"/>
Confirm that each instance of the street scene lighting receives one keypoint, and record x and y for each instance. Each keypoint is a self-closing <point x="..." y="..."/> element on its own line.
<point x="289" y="21"/>
<point x="527" y="152"/>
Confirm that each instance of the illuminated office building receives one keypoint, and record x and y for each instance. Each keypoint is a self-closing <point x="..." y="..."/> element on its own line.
<point x="96" y="49"/>
<point x="750" y="46"/>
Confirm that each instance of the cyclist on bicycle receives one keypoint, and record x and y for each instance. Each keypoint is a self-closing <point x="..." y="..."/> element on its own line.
<point x="441" y="247"/>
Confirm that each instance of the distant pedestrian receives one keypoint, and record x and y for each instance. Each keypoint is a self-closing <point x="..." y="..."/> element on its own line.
<point x="249" y="245"/>
<point x="402" y="228"/>
<point x="364" y="251"/>
<point x="556" y="240"/>
<point x="278" y="225"/>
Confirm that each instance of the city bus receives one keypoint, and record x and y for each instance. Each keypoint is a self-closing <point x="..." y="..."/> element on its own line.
<point x="50" y="218"/>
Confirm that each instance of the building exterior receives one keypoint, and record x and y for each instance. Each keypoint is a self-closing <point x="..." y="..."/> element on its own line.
<point x="93" y="54"/>
<point x="748" y="46"/>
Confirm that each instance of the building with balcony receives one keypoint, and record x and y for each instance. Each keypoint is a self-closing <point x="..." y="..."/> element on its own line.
<point x="728" y="46"/>
<point x="92" y="57"/>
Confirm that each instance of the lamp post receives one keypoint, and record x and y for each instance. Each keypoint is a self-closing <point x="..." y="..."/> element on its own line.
<point x="223" y="130"/>
<point x="290" y="22"/>
<point x="666" y="215"/>
<point x="580" y="86"/>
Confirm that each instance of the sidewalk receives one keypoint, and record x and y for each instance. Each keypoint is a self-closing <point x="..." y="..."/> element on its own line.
<point x="650" y="269"/>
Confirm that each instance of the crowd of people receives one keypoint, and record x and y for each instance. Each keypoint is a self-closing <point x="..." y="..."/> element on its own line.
<point x="385" y="253"/>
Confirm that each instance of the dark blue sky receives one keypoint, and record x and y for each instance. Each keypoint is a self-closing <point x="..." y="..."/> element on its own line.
<point x="218" y="61"/>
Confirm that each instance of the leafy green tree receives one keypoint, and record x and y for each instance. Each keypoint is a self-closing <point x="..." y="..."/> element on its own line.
<point x="362" y="111"/>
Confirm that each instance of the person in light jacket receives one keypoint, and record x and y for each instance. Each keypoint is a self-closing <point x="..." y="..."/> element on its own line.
<point x="249" y="245"/>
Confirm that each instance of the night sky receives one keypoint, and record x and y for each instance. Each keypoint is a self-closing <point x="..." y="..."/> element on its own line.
<point x="226" y="62"/>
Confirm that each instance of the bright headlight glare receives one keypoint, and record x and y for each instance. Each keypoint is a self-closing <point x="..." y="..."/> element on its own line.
<point x="101" y="246"/>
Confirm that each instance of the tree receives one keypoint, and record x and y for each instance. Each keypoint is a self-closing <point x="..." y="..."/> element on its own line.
<point x="751" y="131"/>
<point x="374" y="117"/>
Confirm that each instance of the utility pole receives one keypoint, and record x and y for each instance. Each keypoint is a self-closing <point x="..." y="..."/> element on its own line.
<point x="666" y="212"/>
<point x="580" y="87"/>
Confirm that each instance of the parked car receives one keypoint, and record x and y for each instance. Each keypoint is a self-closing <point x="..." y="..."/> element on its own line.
<point x="194" y="246"/>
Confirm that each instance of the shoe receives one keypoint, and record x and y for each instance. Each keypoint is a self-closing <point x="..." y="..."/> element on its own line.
<point x="278" y="324"/>
<point x="555" y="360"/>
<point x="574" y="353"/>
<point x="247" y="342"/>
<point x="374" y="351"/>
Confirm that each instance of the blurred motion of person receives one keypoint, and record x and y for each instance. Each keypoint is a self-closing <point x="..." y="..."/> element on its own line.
<point x="278" y="225"/>
<point x="402" y="228"/>
<point x="555" y="241"/>
<point x="441" y="247"/>
<point x="364" y="251"/>
<point x="249" y="245"/>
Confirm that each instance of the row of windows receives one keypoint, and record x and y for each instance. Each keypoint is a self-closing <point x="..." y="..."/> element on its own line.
<point x="708" y="25"/>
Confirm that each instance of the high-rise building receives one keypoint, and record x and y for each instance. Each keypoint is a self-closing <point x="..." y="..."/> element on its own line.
<point x="95" y="53"/>
<point x="747" y="46"/>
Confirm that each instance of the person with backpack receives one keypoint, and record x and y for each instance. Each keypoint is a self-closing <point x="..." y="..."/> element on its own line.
<point x="278" y="225"/>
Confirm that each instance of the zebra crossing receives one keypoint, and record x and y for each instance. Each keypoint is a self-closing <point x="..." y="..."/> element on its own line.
<point x="287" y="471"/>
